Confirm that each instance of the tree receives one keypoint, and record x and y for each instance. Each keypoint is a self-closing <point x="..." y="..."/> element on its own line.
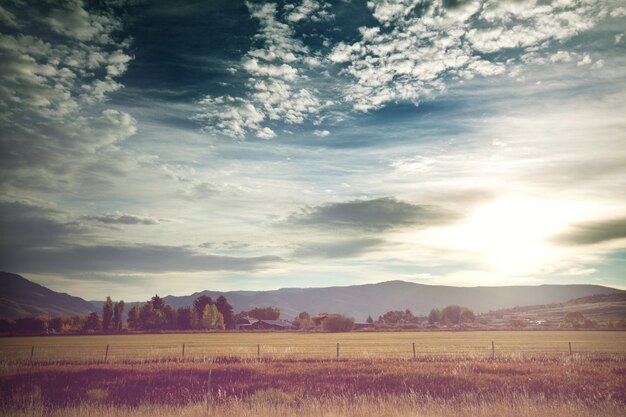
<point x="7" y="325"/>
<point x="118" y="315"/>
<point x="93" y="322"/>
<point x="574" y="319"/>
<point x="303" y="321"/>
<point x="211" y="317"/>
<point x="185" y="318"/>
<point x="467" y="315"/>
<point x="452" y="313"/>
<point x="107" y="314"/>
<point x="265" y="313"/>
<point x="169" y="317"/>
<point x="369" y="320"/>
<point x="31" y="325"/>
<point x="133" y="317"/>
<point x="338" y="323"/>
<point x="157" y="302"/>
<point x="434" y="316"/>
<point x="56" y="324"/>
<point x="227" y="312"/>
<point x="199" y="304"/>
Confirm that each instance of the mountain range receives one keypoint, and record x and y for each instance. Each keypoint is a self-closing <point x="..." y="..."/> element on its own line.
<point x="20" y="297"/>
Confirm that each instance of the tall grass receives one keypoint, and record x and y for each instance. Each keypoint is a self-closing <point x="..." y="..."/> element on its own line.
<point x="273" y="404"/>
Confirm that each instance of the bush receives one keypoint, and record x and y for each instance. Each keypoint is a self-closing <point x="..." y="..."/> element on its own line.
<point x="338" y="323"/>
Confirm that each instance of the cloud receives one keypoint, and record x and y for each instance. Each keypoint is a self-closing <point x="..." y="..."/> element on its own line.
<point x="126" y="258"/>
<point x="594" y="232"/>
<point x="278" y="87"/>
<point x="47" y="134"/>
<point x="418" y="46"/>
<point x="122" y="219"/>
<point x="37" y="239"/>
<point x="374" y="215"/>
<point x="346" y="248"/>
<point x="321" y="133"/>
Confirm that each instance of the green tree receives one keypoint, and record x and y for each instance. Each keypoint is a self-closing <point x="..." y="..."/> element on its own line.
<point x="227" y="312"/>
<point x="7" y="325"/>
<point x="338" y="323"/>
<point x="134" y="321"/>
<point x="369" y="320"/>
<point x="199" y="304"/>
<point x="118" y="315"/>
<point x="157" y="303"/>
<point x="93" y="322"/>
<point x="434" y="316"/>
<point x="185" y="318"/>
<point x="265" y="313"/>
<point x="107" y="314"/>
<point x="169" y="317"/>
<point x="211" y="317"/>
<point x="452" y="313"/>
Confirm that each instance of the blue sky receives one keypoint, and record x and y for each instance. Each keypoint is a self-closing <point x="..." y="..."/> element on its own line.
<point x="152" y="146"/>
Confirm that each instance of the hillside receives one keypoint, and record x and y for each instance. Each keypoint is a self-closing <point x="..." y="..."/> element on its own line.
<point x="600" y="307"/>
<point x="20" y="297"/>
<point x="361" y="300"/>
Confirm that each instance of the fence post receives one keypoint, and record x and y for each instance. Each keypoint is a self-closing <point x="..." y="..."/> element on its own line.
<point x="570" y="348"/>
<point x="258" y="351"/>
<point x="413" y="350"/>
<point x="32" y="352"/>
<point x="493" y="350"/>
<point x="337" y="351"/>
<point x="208" y="388"/>
<point x="106" y="353"/>
<point x="183" y="350"/>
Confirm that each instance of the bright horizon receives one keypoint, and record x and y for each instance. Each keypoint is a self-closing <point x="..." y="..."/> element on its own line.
<point x="152" y="147"/>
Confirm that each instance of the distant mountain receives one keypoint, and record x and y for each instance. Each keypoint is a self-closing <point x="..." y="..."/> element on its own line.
<point x="360" y="301"/>
<point x="20" y="297"/>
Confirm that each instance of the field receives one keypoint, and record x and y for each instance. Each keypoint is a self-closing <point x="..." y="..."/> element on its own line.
<point x="298" y="374"/>
<point x="355" y="345"/>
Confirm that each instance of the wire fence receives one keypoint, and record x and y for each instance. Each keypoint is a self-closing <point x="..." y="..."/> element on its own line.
<point x="123" y="352"/>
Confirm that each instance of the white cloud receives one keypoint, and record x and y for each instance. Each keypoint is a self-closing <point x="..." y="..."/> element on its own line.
<point x="48" y="133"/>
<point x="308" y="10"/>
<point x="278" y="87"/>
<point x="321" y="133"/>
<point x="266" y="133"/>
<point x="417" y="52"/>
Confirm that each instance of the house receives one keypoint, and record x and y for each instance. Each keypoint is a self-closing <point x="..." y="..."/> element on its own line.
<point x="270" y="325"/>
<point x="363" y="325"/>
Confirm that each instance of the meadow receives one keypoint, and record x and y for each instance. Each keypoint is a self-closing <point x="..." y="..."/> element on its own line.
<point x="291" y="345"/>
<point x="452" y="373"/>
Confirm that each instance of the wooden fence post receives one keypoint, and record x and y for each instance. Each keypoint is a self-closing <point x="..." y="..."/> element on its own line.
<point x="32" y="352"/>
<point x="106" y="353"/>
<point x="570" y="348"/>
<point x="413" y="350"/>
<point x="493" y="350"/>
<point x="258" y="351"/>
<point x="337" y="351"/>
<point x="183" y="350"/>
<point x="208" y="388"/>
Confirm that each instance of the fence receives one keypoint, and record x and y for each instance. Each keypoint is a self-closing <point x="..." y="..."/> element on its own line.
<point x="201" y="352"/>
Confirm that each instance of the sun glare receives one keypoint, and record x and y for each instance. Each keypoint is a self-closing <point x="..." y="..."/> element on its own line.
<point x="511" y="234"/>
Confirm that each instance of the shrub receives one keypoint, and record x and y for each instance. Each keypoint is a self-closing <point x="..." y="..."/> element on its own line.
<point x="338" y="323"/>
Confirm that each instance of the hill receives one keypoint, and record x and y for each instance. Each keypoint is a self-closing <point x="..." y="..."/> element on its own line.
<point x="600" y="307"/>
<point x="360" y="301"/>
<point x="20" y="297"/>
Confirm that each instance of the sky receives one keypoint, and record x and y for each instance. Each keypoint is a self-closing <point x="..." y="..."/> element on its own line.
<point x="150" y="146"/>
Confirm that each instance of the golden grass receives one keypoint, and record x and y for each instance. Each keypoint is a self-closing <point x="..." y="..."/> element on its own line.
<point x="281" y="345"/>
<point x="275" y="405"/>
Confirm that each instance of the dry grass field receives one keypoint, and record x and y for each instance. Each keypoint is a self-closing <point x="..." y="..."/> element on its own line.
<point x="278" y="345"/>
<point x="297" y="375"/>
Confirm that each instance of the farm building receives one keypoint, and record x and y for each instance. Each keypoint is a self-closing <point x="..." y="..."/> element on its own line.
<point x="270" y="325"/>
<point x="244" y="323"/>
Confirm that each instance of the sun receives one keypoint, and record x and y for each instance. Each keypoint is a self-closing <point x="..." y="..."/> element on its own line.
<point x="512" y="234"/>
